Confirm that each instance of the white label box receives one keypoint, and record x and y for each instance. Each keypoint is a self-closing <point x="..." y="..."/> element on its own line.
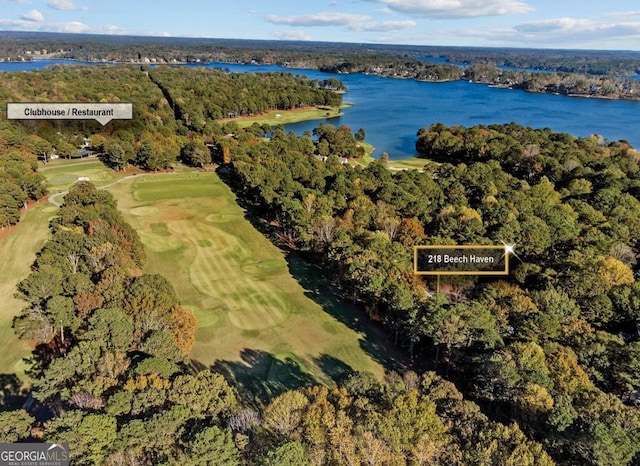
<point x="101" y="112"/>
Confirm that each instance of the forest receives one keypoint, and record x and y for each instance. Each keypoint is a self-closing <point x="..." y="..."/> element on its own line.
<point x="567" y="72"/>
<point x="112" y="378"/>
<point x="92" y="47"/>
<point x="162" y="129"/>
<point x="19" y="180"/>
<point x="200" y="95"/>
<point x="553" y="348"/>
<point x="540" y="367"/>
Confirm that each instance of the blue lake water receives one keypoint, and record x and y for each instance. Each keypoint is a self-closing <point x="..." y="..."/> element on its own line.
<point x="392" y="110"/>
<point x="38" y="64"/>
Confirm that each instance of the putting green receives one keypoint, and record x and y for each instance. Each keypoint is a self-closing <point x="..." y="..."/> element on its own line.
<point x="222" y="218"/>
<point x="144" y="211"/>
<point x="159" y="243"/>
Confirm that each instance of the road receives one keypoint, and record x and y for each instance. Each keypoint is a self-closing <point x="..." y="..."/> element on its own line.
<point x="53" y="198"/>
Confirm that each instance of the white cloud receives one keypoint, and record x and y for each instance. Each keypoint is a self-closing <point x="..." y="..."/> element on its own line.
<point x="563" y="32"/>
<point x="62" y="4"/>
<point x="352" y="22"/>
<point x="621" y="14"/>
<point x="555" y="25"/>
<point x="383" y="26"/>
<point x="450" y="9"/>
<point x="297" y="34"/>
<point x="318" y="19"/>
<point x="385" y="10"/>
<point x="580" y="29"/>
<point x="72" y="27"/>
<point x="33" y="15"/>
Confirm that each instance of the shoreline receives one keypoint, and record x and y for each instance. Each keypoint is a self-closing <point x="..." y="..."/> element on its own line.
<point x="283" y="117"/>
<point x="288" y="66"/>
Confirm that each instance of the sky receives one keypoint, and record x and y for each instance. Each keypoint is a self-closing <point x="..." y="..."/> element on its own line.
<point x="579" y="24"/>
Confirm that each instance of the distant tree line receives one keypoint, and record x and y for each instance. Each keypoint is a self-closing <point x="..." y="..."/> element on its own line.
<point x="596" y="73"/>
<point x="305" y="54"/>
<point x="201" y="95"/>
<point x="585" y="62"/>
<point x="556" y="83"/>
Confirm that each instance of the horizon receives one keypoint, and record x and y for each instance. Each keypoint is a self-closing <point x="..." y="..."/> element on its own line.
<point x="315" y="42"/>
<point x="518" y="24"/>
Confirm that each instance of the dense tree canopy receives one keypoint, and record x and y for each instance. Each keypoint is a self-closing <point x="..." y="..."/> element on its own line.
<point x="111" y="368"/>
<point x="547" y="346"/>
<point x="548" y="353"/>
<point x="202" y="94"/>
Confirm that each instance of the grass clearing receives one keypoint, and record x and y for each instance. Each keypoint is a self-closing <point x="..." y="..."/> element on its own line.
<point x="265" y="328"/>
<point x="283" y="117"/>
<point x="411" y="163"/>
<point x="61" y="174"/>
<point x="17" y="253"/>
<point x="254" y="316"/>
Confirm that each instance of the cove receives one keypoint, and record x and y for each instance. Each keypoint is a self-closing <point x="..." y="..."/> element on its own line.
<point x="392" y="110"/>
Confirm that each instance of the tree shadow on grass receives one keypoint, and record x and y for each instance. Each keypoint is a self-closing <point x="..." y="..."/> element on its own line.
<point x="12" y="395"/>
<point x="261" y="376"/>
<point x="334" y="368"/>
<point x="375" y="342"/>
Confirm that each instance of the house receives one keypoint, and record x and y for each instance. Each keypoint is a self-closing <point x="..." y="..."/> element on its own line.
<point x="323" y="158"/>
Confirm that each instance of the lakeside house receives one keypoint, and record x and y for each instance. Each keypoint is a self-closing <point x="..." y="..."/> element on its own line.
<point x="323" y="158"/>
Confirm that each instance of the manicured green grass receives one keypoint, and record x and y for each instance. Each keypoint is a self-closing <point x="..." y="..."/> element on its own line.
<point x="17" y="253"/>
<point x="251" y="311"/>
<point x="367" y="158"/>
<point x="412" y="163"/>
<point x="283" y="117"/>
<point x="267" y="329"/>
<point x="61" y="174"/>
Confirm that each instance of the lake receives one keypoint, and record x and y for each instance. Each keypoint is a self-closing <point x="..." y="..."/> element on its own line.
<point x="392" y="110"/>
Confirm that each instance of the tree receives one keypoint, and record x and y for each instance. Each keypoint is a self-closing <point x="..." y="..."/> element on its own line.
<point x="211" y="446"/>
<point x="34" y="325"/>
<point x="92" y="435"/>
<point x="112" y="326"/>
<point x="183" y="325"/>
<point x="162" y="344"/>
<point x="61" y="314"/>
<point x="288" y="454"/>
<point x="411" y="418"/>
<point x="206" y="392"/>
<point x="42" y="284"/>
<point x="116" y="155"/>
<point x="284" y="414"/>
<point x="147" y="156"/>
<point x="149" y="292"/>
<point x="15" y="425"/>
<point x="196" y="154"/>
